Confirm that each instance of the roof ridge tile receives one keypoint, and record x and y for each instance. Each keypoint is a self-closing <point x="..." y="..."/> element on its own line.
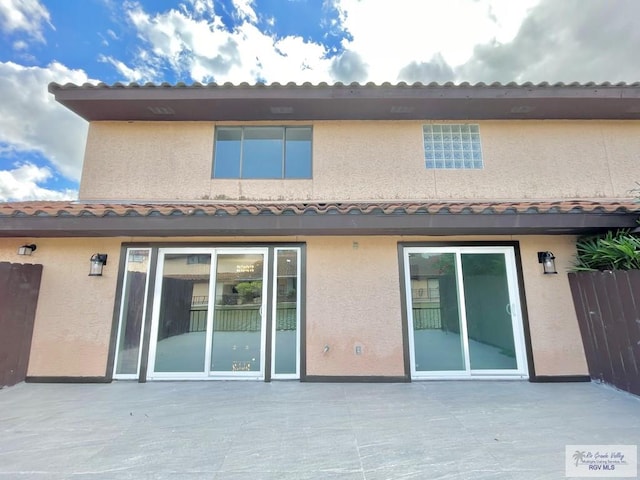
<point x="401" y="84"/>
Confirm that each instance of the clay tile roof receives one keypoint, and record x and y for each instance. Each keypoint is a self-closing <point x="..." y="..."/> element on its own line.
<point x="79" y="209"/>
<point x="77" y="219"/>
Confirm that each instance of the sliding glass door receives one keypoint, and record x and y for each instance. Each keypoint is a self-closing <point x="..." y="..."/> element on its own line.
<point x="209" y="314"/>
<point x="463" y="312"/>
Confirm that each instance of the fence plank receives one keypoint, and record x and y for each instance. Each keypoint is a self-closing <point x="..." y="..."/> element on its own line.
<point x="578" y="285"/>
<point x="597" y="329"/>
<point x="7" y="341"/>
<point x="629" y="287"/>
<point x="609" y="302"/>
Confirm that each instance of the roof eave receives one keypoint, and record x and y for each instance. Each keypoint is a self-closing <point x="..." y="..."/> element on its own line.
<point x="348" y="102"/>
<point x="313" y="225"/>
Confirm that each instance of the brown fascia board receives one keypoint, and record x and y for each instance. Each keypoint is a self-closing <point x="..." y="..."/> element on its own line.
<point x="348" y="102"/>
<point x="312" y="225"/>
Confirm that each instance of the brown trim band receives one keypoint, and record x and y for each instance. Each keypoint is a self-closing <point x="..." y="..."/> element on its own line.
<point x="354" y="379"/>
<point x="559" y="378"/>
<point x="353" y="101"/>
<point x="41" y="379"/>
<point x="337" y="224"/>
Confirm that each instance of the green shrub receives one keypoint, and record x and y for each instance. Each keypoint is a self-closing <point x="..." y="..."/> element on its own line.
<point x="612" y="251"/>
<point x="249" y="290"/>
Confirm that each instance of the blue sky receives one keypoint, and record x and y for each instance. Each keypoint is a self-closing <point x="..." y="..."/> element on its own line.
<point x="42" y="41"/>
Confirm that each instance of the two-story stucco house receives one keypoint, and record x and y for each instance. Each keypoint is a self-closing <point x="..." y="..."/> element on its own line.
<point x="329" y="232"/>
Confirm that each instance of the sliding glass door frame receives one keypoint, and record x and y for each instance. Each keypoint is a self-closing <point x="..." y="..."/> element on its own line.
<point x="514" y="308"/>
<point x="149" y="300"/>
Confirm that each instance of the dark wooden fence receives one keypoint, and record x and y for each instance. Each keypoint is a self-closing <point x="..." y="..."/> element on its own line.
<point x="19" y="288"/>
<point x="608" y="309"/>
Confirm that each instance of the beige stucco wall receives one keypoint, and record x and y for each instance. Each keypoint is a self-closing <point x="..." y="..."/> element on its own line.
<point x="353" y="299"/>
<point x="147" y="160"/>
<point x="555" y="336"/>
<point x="73" y="317"/>
<point x="364" y="160"/>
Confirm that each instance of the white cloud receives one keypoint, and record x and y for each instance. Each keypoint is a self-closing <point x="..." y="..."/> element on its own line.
<point x="144" y="72"/>
<point x="31" y="120"/>
<point x="571" y="40"/>
<point x="196" y="45"/>
<point x="21" y="183"/>
<point x="20" y="45"/>
<point x="413" y="41"/>
<point x="416" y="31"/>
<point x="202" y="8"/>
<point x="245" y="11"/>
<point x="29" y="16"/>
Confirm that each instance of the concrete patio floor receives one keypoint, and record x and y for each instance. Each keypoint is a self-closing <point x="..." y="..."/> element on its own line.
<point x="290" y="430"/>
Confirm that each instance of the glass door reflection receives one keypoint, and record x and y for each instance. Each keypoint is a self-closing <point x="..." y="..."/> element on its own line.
<point x="437" y="340"/>
<point x="181" y="328"/>
<point x="237" y="335"/>
<point x="488" y="306"/>
<point x="285" y="331"/>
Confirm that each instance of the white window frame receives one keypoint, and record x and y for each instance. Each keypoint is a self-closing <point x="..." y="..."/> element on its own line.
<point x="131" y="376"/>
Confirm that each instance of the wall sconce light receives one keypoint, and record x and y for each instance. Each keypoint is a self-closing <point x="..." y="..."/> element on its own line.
<point x="98" y="260"/>
<point x="548" y="262"/>
<point x="27" y="249"/>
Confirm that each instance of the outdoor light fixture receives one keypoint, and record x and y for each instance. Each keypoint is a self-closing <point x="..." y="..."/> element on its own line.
<point x="27" y="249"/>
<point x="548" y="262"/>
<point x="98" y="260"/>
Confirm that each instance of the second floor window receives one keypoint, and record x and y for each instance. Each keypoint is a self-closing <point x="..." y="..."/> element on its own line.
<point x="262" y="152"/>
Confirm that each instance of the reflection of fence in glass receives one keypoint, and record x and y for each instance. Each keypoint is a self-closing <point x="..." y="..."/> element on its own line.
<point x="427" y="318"/>
<point x="429" y="293"/>
<point x="241" y="318"/>
<point x="199" y="300"/>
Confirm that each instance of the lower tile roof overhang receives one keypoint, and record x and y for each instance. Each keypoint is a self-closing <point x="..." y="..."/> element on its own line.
<point x="309" y="219"/>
